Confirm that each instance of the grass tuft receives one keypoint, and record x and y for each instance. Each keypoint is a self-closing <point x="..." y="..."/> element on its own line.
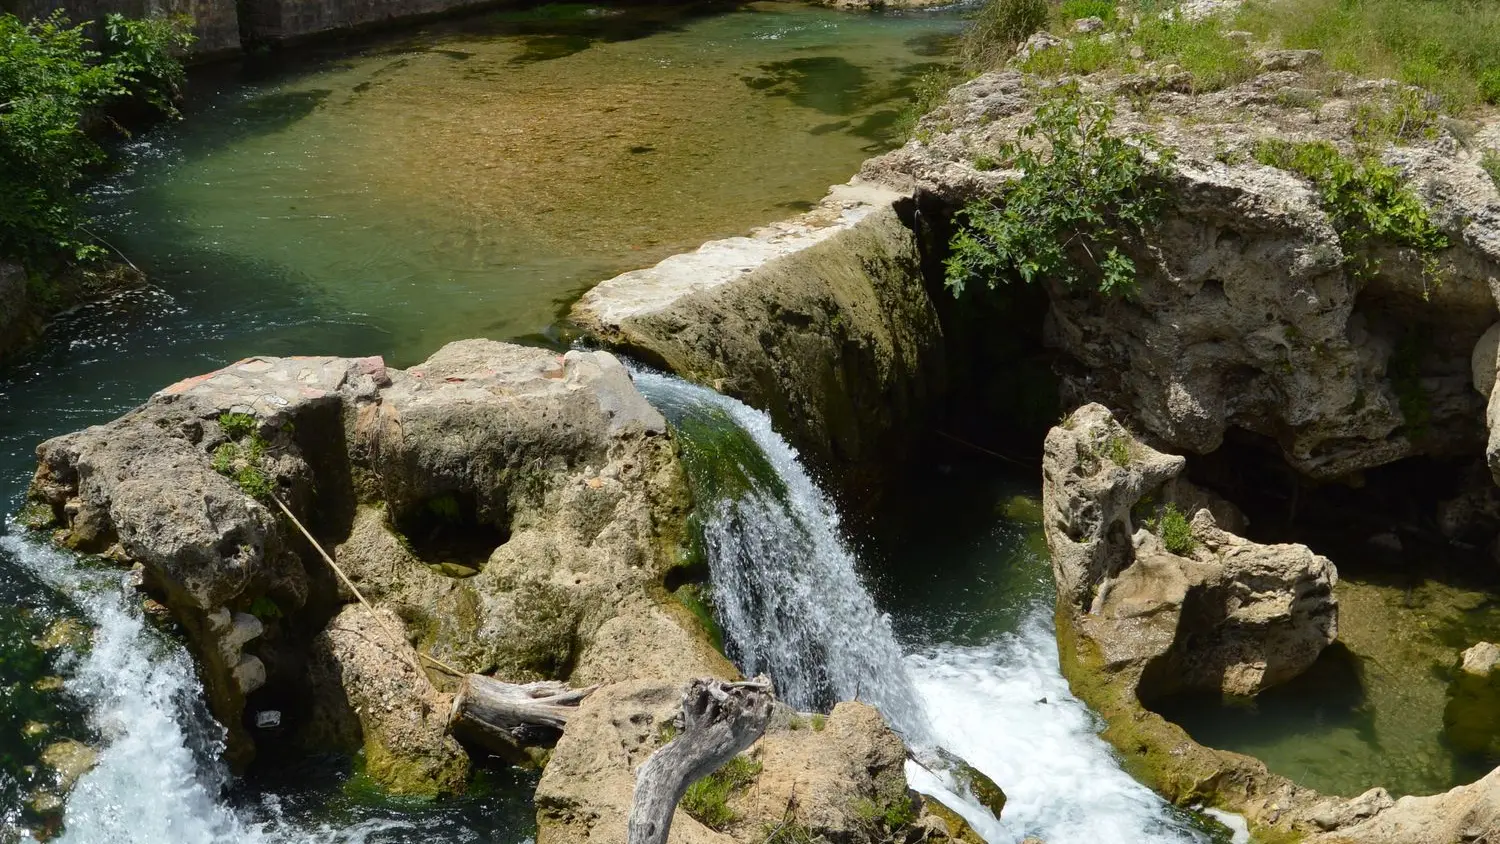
<point x="707" y="800"/>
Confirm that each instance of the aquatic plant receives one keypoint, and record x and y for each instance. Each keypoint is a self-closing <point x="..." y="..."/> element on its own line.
<point x="1082" y="193"/>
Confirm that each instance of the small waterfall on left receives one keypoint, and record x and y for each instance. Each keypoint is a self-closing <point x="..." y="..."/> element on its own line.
<point x="158" y="778"/>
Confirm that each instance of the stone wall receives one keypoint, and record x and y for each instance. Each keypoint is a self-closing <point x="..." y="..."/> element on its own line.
<point x="216" y="22"/>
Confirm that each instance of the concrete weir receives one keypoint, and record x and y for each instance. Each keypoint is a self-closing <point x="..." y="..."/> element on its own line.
<point x="823" y="321"/>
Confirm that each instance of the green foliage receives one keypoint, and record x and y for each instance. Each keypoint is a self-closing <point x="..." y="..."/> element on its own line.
<point x="699" y="602"/>
<point x="1366" y="201"/>
<point x="1072" y="10"/>
<point x="1081" y="194"/>
<point x="1089" y="54"/>
<point x="1407" y="117"/>
<point x="241" y="460"/>
<point x="927" y="93"/>
<point x="237" y="426"/>
<point x="900" y="813"/>
<point x="1175" y="532"/>
<point x="998" y="27"/>
<point x="146" y="52"/>
<point x="265" y="609"/>
<point x="707" y="800"/>
<point x="819" y="721"/>
<point x="1117" y="449"/>
<point x="1198" y="47"/>
<point x="1449" y="47"/>
<point x="50" y="78"/>
<point x="1490" y="161"/>
<point x="790" y="832"/>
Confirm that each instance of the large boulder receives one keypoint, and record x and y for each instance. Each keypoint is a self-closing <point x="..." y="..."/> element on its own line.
<point x="1172" y="600"/>
<point x="823" y="321"/>
<point x="510" y="510"/>
<point x="1250" y="314"/>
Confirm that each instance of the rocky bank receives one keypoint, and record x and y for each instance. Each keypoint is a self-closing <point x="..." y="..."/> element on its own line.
<point x="504" y="510"/>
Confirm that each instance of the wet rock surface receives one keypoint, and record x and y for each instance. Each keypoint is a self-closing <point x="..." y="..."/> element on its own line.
<point x="822" y="321"/>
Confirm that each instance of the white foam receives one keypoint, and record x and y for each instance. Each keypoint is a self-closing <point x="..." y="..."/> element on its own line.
<point x="1007" y="710"/>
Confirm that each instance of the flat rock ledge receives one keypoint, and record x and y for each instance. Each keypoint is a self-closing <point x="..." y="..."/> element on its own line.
<point x="1138" y="620"/>
<point x="506" y="510"/>
<point x="823" y="321"/>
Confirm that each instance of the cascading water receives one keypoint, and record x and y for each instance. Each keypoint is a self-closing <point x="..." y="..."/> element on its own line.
<point x="789" y="596"/>
<point x="158" y="778"/>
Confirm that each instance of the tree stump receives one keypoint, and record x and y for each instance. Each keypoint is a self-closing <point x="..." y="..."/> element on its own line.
<point x="505" y="717"/>
<point x="719" y="719"/>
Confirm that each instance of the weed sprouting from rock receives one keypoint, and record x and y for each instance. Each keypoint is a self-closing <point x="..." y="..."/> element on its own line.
<point x="707" y="800"/>
<point x="1082" y="193"/>
<point x="1175" y="531"/>
<point x="240" y="459"/>
<point x="1366" y="201"/>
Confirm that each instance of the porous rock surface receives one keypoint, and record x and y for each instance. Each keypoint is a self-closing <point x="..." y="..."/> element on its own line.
<point x="822" y="321"/>
<point x="1248" y="314"/>
<point x="1227" y="615"/>
<point x="832" y="781"/>
<point x="1137" y="621"/>
<point x="555" y="461"/>
<point x="565" y="480"/>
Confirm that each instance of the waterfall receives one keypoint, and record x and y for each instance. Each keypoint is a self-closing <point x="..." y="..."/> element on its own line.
<point x="787" y="591"/>
<point x="786" y="587"/>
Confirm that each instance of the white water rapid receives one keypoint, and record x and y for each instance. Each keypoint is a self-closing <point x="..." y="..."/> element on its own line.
<point x="792" y="603"/>
<point x="158" y="779"/>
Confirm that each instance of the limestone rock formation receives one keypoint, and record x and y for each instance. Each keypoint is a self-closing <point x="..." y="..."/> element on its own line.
<point x="1169" y="597"/>
<point x="822" y="321"/>
<point x="548" y="476"/>
<point x="837" y="780"/>
<point x="1471" y="720"/>
<point x="1249" y="314"/>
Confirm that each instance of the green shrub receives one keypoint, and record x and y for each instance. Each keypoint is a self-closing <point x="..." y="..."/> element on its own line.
<point x="1175" y="532"/>
<point x="50" y="78"/>
<point x="146" y="51"/>
<point x="1198" y="47"/>
<point x="1490" y="161"/>
<point x="1117" y="448"/>
<point x="1081" y="193"/>
<point x="1450" y="47"/>
<point x="928" y="92"/>
<point x="707" y="800"/>
<point x="1089" y="54"/>
<point x="1407" y="117"/>
<point x="1366" y="201"/>
<point x="1072" y="10"/>
<point x="237" y="426"/>
<point x="998" y="27"/>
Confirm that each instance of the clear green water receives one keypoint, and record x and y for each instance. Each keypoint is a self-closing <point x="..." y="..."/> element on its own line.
<point x="1370" y="711"/>
<point x="475" y="178"/>
<point x="389" y="195"/>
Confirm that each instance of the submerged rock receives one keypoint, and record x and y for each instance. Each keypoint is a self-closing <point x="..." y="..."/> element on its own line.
<point x="1471" y="720"/>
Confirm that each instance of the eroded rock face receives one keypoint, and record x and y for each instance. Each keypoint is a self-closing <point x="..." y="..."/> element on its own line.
<point x="548" y="477"/>
<point x="1249" y="315"/>
<point x="835" y="779"/>
<point x="822" y="321"/>
<point x="1214" y="612"/>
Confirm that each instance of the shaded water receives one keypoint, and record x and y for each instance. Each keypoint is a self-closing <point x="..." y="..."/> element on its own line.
<point x="385" y="197"/>
<point x="969" y="587"/>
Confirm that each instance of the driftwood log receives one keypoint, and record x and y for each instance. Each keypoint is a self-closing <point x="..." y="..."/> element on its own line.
<point x="505" y="717"/>
<point x="719" y="720"/>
